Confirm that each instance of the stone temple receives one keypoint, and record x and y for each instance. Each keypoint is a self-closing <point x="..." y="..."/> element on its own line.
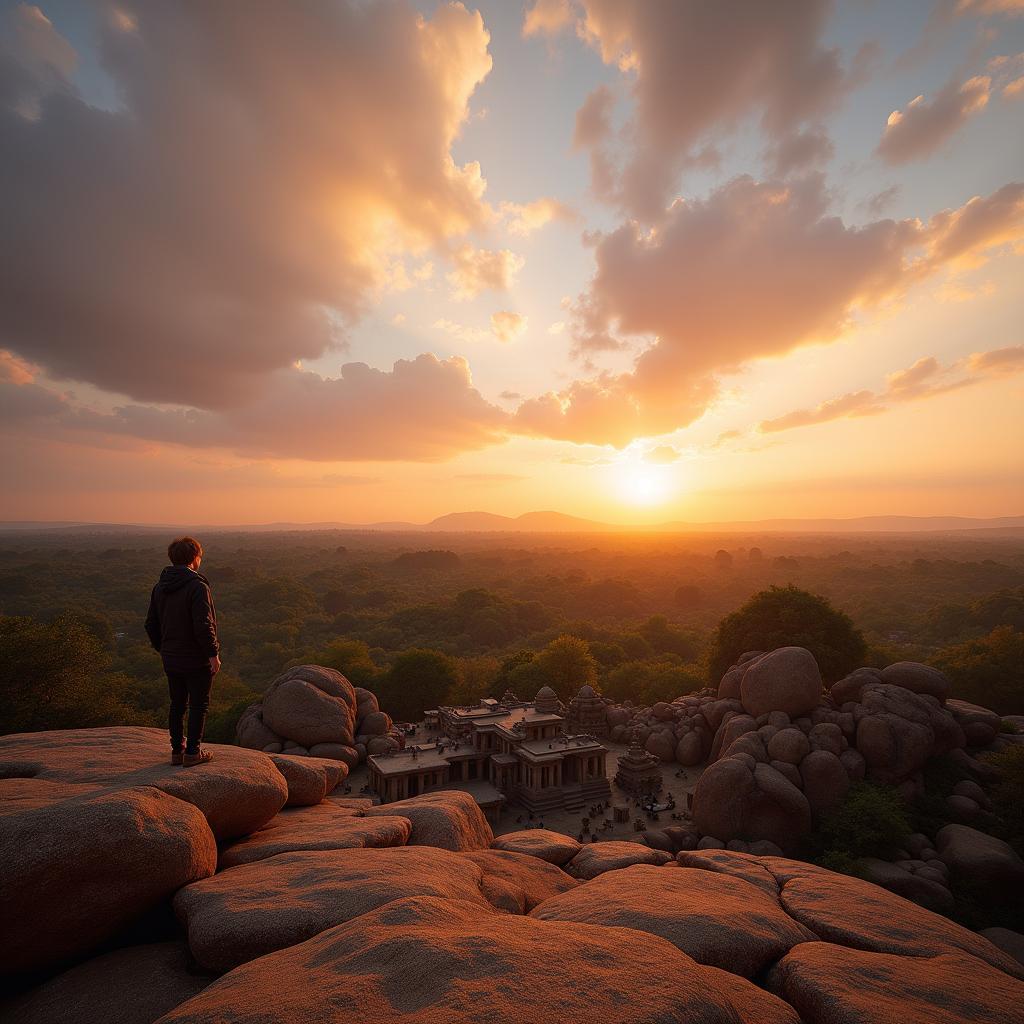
<point x="507" y="750"/>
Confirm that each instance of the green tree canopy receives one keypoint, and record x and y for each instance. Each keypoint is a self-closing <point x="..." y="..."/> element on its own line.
<point x="567" y="664"/>
<point x="989" y="671"/>
<point x="788" y="617"/>
<point x="419" y="679"/>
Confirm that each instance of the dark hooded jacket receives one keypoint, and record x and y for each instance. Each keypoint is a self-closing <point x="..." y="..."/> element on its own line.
<point x="182" y="621"/>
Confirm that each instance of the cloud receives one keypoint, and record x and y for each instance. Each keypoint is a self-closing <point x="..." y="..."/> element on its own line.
<point x="858" y="403"/>
<point x="877" y="204"/>
<point x="985" y="8"/>
<point x="927" y="378"/>
<point x="489" y="478"/>
<point x="423" y="409"/>
<point x="34" y="60"/>
<point x="662" y="455"/>
<point x="923" y="127"/>
<point x="757" y="269"/>
<point x="267" y="167"/>
<point x="14" y="370"/>
<point x="523" y="219"/>
<point x="547" y="17"/>
<point x="462" y="332"/>
<point x="697" y="71"/>
<point x="1000" y="360"/>
<point x="506" y="326"/>
<point x="799" y="151"/>
<point x="479" y="270"/>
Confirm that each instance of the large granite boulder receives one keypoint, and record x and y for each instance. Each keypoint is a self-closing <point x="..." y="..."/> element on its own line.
<point x="309" y="779"/>
<point x="424" y="960"/>
<point x="825" y="781"/>
<point x="246" y="912"/>
<point x="918" y="678"/>
<point x="79" y="868"/>
<point x="827" y="984"/>
<point x="737" y="799"/>
<point x="720" y="921"/>
<point x="990" y="868"/>
<point x="326" y="826"/>
<point x="135" y="985"/>
<point x="553" y="847"/>
<point x="980" y="725"/>
<point x="899" y="730"/>
<point x="598" y="858"/>
<point x="448" y="819"/>
<point x="238" y="791"/>
<point x="311" y="704"/>
<point x="532" y="879"/>
<point x="849" y="688"/>
<point x="252" y="732"/>
<point x="786" y="679"/>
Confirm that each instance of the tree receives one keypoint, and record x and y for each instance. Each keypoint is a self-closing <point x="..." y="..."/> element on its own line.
<point x="476" y="679"/>
<point x="567" y="664"/>
<point x="788" y="617"/>
<point x="352" y="659"/>
<point x="689" y="596"/>
<point x="989" y="671"/>
<point x="417" y="680"/>
<point x="723" y="560"/>
<point x="56" y="676"/>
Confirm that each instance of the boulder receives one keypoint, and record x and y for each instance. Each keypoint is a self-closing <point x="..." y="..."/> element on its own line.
<point x="980" y="725"/>
<point x="786" y="679"/>
<point x="553" y="847"/>
<point x="825" y="781"/>
<point x="249" y="911"/>
<point x="310" y="704"/>
<point x="854" y="763"/>
<point x="78" y="870"/>
<point x="753" y="1005"/>
<point x="136" y="985"/>
<point x="336" y="752"/>
<point x="690" y="749"/>
<point x="849" y="688"/>
<point x="826" y="736"/>
<point x="990" y="867"/>
<point x="917" y="678"/>
<point x="729" y="687"/>
<point x="662" y="744"/>
<point x="1010" y="942"/>
<point x="238" y="791"/>
<point x="923" y="889"/>
<point x="853" y="912"/>
<point x="733" y="801"/>
<point x="828" y="984"/>
<point x="899" y="730"/>
<point x="533" y="880"/>
<point x="309" y="779"/>
<point x="326" y="826"/>
<point x="376" y="723"/>
<point x="732" y="727"/>
<point x="789" y="745"/>
<point x="728" y="862"/>
<point x="252" y="732"/>
<point x="424" y="960"/>
<point x="448" y="819"/>
<point x="719" y="921"/>
<point x="598" y="858"/>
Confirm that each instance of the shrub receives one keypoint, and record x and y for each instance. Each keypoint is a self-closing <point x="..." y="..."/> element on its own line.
<point x="989" y="671"/>
<point x="872" y="822"/>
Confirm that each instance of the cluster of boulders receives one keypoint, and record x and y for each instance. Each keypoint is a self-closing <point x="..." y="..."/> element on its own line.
<point x="313" y="711"/>
<point x="139" y="892"/>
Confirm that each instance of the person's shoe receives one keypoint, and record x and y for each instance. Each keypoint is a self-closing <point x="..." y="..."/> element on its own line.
<point x="177" y="756"/>
<point x="200" y="757"/>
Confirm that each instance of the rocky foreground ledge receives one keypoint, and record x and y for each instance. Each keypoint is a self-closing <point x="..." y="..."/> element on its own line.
<point x="244" y="891"/>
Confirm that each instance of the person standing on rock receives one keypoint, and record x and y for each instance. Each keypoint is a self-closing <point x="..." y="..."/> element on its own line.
<point x="182" y="627"/>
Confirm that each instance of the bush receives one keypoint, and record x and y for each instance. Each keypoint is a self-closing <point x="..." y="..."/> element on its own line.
<point x="788" y="617"/>
<point x="872" y="822"/>
<point x="1006" y="795"/>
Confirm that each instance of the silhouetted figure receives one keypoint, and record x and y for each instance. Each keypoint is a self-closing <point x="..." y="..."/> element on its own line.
<point x="182" y="627"/>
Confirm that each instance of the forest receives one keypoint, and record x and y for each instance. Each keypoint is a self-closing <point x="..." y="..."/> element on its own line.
<point x="422" y="619"/>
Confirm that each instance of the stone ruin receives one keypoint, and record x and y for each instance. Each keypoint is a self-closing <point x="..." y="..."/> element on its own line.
<point x="313" y="711"/>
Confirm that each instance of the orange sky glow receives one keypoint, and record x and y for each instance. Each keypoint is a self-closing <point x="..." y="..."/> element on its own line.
<point x="635" y="261"/>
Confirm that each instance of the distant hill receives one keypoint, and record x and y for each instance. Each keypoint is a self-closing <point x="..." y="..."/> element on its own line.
<point x="558" y="522"/>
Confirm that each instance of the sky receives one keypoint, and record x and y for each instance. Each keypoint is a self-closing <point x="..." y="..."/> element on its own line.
<point x="639" y="261"/>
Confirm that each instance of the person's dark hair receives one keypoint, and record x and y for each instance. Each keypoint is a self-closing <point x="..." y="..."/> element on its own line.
<point x="184" y="550"/>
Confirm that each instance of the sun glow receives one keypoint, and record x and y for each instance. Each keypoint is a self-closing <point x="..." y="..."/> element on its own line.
<point x="643" y="483"/>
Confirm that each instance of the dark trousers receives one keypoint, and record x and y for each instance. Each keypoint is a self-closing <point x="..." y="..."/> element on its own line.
<point x="189" y="689"/>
